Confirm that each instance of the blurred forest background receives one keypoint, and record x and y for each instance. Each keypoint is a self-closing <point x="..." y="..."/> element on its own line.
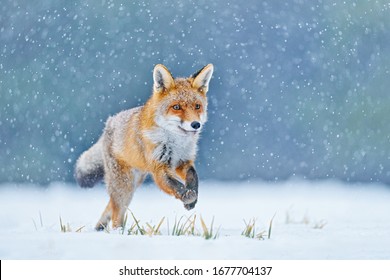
<point x="300" y="88"/>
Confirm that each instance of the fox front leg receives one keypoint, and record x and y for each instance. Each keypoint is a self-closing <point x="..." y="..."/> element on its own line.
<point x="191" y="194"/>
<point x="188" y="174"/>
<point x="187" y="193"/>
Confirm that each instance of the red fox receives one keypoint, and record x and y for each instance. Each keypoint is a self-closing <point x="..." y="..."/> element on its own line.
<point x="159" y="138"/>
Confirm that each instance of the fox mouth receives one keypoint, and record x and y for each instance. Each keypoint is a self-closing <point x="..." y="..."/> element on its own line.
<point x="187" y="131"/>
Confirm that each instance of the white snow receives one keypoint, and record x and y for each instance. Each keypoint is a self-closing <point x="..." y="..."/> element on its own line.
<point x="356" y="216"/>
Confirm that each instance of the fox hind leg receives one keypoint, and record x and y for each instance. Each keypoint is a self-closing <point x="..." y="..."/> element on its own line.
<point x="105" y="218"/>
<point x="121" y="188"/>
<point x="121" y="183"/>
<point x="115" y="211"/>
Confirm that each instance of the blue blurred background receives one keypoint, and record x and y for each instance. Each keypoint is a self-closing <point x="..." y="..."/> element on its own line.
<point x="300" y="88"/>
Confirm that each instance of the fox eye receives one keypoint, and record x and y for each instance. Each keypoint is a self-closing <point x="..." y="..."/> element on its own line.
<point x="197" y="106"/>
<point x="176" y="107"/>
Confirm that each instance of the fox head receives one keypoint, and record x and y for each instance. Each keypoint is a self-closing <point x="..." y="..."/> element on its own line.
<point x="181" y="104"/>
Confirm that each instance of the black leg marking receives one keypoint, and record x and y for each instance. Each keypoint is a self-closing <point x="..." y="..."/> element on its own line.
<point x="191" y="205"/>
<point x="176" y="185"/>
<point x="100" y="227"/>
<point x="192" y="179"/>
<point x="188" y="196"/>
<point x="191" y="196"/>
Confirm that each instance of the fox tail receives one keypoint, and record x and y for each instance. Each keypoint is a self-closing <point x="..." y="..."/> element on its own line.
<point x="90" y="166"/>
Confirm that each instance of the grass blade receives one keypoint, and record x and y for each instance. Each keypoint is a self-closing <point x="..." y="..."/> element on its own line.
<point x="157" y="230"/>
<point x="124" y="224"/>
<point x="141" y="230"/>
<point x="79" y="229"/>
<point x="40" y="218"/>
<point x="208" y="233"/>
<point x="35" y="225"/>
<point x="270" y="226"/>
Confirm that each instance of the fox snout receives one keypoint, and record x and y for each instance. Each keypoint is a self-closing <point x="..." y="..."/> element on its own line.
<point x="190" y="126"/>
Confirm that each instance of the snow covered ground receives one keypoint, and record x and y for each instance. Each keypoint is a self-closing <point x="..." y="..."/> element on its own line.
<point x="314" y="220"/>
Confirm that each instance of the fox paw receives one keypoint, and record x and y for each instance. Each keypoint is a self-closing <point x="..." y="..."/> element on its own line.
<point x="190" y="206"/>
<point x="189" y="197"/>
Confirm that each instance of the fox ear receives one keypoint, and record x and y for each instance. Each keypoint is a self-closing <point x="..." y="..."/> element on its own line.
<point x="162" y="78"/>
<point x="202" y="78"/>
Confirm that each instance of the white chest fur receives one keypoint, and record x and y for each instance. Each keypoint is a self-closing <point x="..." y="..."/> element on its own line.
<point x="171" y="148"/>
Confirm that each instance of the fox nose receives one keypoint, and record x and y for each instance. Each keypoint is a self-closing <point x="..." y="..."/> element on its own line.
<point x="195" y="125"/>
